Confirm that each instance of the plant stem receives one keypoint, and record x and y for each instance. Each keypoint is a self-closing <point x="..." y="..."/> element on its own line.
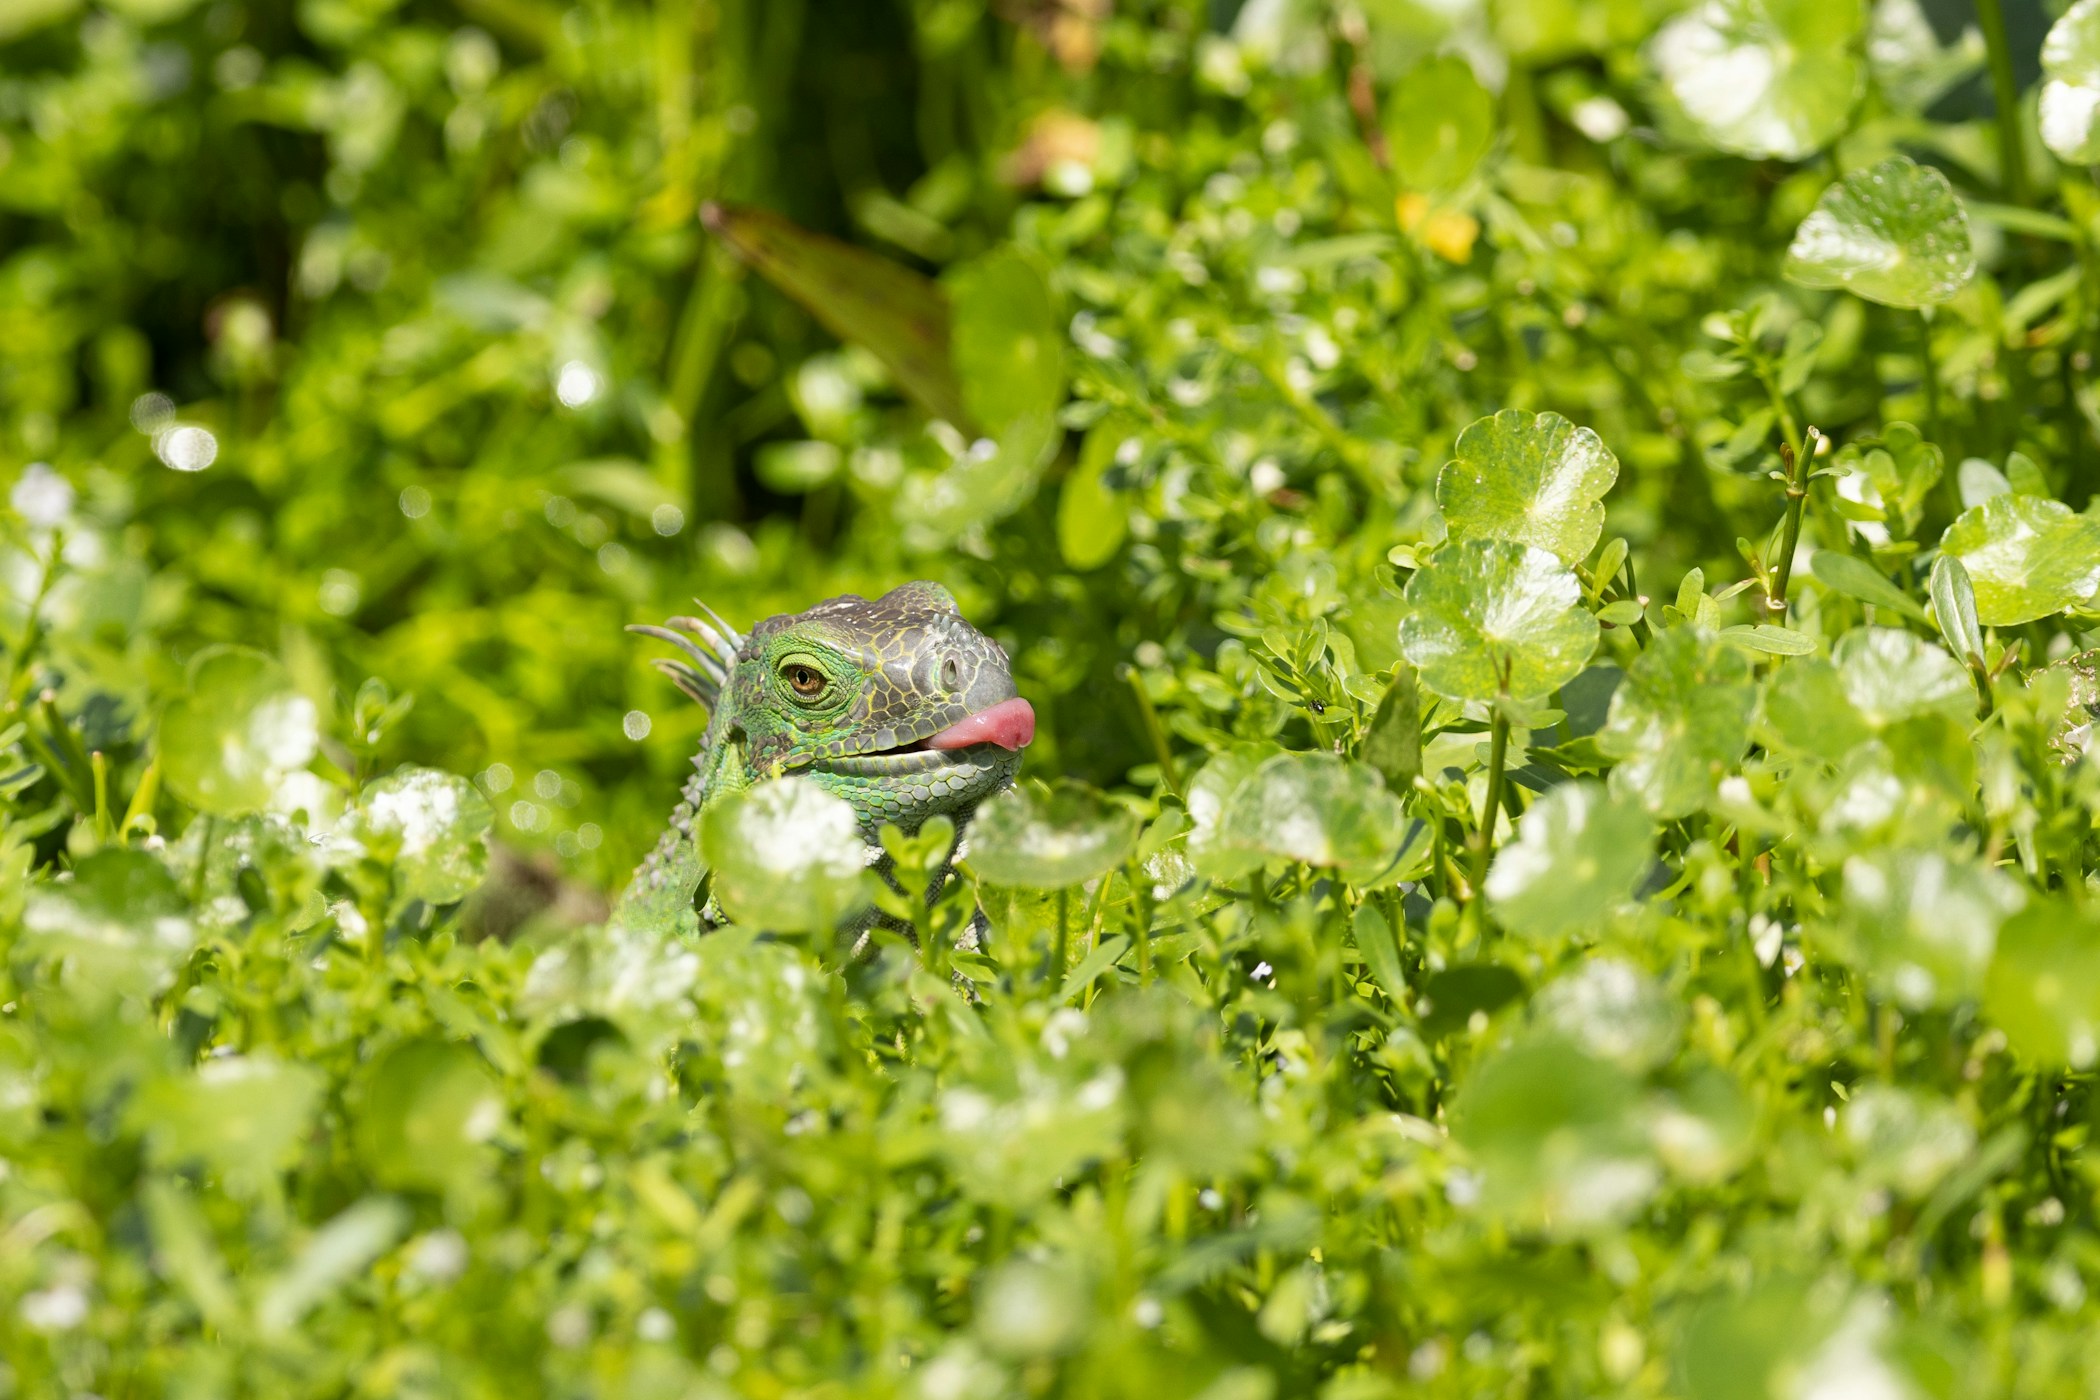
<point x="1932" y="381"/>
<point x="2005" y="95"/>
<point x="1168" y="773"/>
<point x="1058" y="948"/>
<point x="1796" y="506"/>
<point x="1484" y="839"/>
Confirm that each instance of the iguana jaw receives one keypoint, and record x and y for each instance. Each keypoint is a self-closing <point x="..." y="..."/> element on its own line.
<point x="971" y="743"/>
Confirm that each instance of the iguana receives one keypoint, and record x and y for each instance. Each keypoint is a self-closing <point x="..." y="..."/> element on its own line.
<point x="898" y="706"/>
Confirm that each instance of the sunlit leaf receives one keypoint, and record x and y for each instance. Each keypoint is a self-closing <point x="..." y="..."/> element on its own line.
<point x="1679" y="721"/>
<point x="1921" y="924"/>
<point x="1857" y="578"/>
<point x="1392" y="744"/>
<point x="1764" y="77"/>
<point x="1954" y="607"/>
<point x="1490" y="615"/>
<point x="238" y="731"/>
<point x="430" y="827"/>
<point x="2070" y="101"/>
<point x="1533" y="479"/>
<point x="1894" y="233"/>
<point x="1315" y="809"/>
<point x="239" y="1115"/>
<point x="1049" y="837"/>
<point x="786" y="856"/>
<point x="119" y="924"/>
<point x="2027" y="557"/>
<point x="1577" y="855"/>
<point x="1890" y="676"/>
<point x="2043" y="987"/>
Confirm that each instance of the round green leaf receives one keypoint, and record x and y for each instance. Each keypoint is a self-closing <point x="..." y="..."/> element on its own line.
<point x="1922" y="926"/>
<point x="787" y="856"/>
<point x="228" y="743"/>
<point x="2027" y="557"/>
<point x="428" y="1106"/>
<point x="1894" y="233"/>
<point x="429" y="827"/>
<point x="1491" y="614"/>
<point x="1577" y="855"/>
<point x="1531" y="478"/>
<point x="1439" y="122"/>
<point x="1046" y="838"/>
<point x="2070" y="101"/>
<point x="1679" y="721"/>
<point x="120" y="924"/>
<point x="1764" y="77"/>
<point x="1556" y="1136"/>
<point x="2043" y="988"/>
<point x="1312" y="808"/>
<point x="1890" y="676"/>
<point x="242" y="1115"/>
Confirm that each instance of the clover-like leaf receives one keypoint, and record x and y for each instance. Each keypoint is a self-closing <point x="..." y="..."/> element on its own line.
<point x="1922" y="925"/>
<point x="120" y="924"/>
<point x="1679" y="721"/>
<point x="429" y="827"/>
<point x="1531" y="478"/>
<point x="241" y="728"/>
<point x="1046" y="838"/>
<point x="1764" y="77"/>
<point x="786" y="856"/>
<point x="1490" y="616"/>
<point x="2027" y="557"/>
<point x="1577" y="855"/>
<point x="1312" y="808"/>
<point x="2070" y="101"/>
<point x="1893" y="233"/>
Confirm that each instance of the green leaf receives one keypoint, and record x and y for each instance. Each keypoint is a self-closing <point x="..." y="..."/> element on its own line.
<point x="890" y="311"/>
<point x="1764" y="77"/>
<point x="1490" y="615"/>
<point x="430" y="828"/>
<point x="1311" y="808"/>
<point x="1891" y="676"/>
<point x="236" y="734"/>
<point x="240" y="1115"/>
<point x="1556" y="1137"/>
<point x="1922" y="925"/>
<point x="120" y="924"/>
<point x="786" y="856"/>
<point x="337" y="1252"/>
<point x="1894" y="233"/>
<point x="1954" y="607"/>
<point x="427" y="1109"/>
<point x="1046" y="838"/>
<point x="796" y="468"/>
<point x="1439" y="122"/>
<point x="1856" y="578"/>
<point x="2070" y="102"/>
<point x="1092" y="516"/>
<point x="2027" y="557"/>
<point x="1768" y="640"/>
<point x="1374" y="940"/>
<point x="1392" y="744"/>
<point x="1679" y="721"/>
<point x="1577" y="855"/>
<point x="1533" y="479"/>
<point x="2043" y="988"/>
<point x="1807" y="711"/>
<point x="1009" y="344"/>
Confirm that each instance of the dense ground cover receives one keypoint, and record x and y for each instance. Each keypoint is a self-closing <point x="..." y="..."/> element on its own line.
<point x="1551" y="543"/>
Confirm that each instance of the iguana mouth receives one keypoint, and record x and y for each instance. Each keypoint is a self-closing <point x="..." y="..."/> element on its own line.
<point x="1008" y="725"/>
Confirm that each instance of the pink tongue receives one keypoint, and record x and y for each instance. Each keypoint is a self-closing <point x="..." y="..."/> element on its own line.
<point x="1010" y="724"/>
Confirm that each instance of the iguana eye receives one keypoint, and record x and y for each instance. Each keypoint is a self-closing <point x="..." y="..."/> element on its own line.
<point x="806" y="681"/>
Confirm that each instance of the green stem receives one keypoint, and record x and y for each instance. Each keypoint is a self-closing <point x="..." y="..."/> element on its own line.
<point x="1058" y="948"/>
<point x="1168" y="773"/>
<point x="1932" y="382"/>
<point x="1796" y="506"/>
<point x="1141" y="906"/>
<point x="2005" y="94"/>
<point x="1484" y="839"/>
<point x="32" y="625"/>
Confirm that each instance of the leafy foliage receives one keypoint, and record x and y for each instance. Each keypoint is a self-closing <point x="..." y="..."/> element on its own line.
<point x="1560" y="854"/>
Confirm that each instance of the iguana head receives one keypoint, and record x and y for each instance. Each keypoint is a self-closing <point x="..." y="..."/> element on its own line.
<point x="897" y="704"/>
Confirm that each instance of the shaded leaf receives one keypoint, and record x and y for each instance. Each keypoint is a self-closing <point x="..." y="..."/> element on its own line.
<point x="1856" y="578"/>
<point x="1439" y="122"/>
<point x="1577" y="855"/>
<point x="427" y="1109"/>
<point x="1679" y="722"/>
<point x="1921" y="925"/>
<point x="2043" y="987"/>
<point x="1392" y="744"/>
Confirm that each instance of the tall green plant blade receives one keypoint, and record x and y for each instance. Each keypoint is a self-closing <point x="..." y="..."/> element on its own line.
<point x="890" y="311"/>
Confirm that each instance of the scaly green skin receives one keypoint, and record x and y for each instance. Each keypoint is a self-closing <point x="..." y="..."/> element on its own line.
<point x="897" y="670"/>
